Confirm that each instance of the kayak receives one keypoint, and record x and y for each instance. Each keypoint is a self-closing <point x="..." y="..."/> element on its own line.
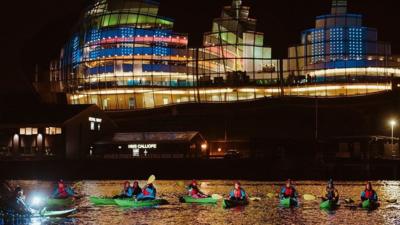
<point x="131" y="203"/>
<point x="188" y="199"/>
<point x="288" y="202"/>
<point x="102" y="201"/>
<point x="62" y="213"/>
<point x="328" y="205"/>
<point x="227" y="204"/>
<point x="52" y="202"/>
<point x="369" y="205"/>
<point x="45" y="213"/>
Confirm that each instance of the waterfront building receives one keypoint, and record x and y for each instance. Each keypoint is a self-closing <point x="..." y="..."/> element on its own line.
<point x="52" y="131"/>
<point x="339" y="57"/>
<point x="125" y="56"/>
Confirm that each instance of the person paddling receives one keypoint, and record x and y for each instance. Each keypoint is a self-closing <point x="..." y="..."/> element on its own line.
<point x="288" y="191"/>
<point x="238" y="193"/>
<point x="18" y="203"/>
<point x="369" y="194"/>
<point x="148" y="193"/>
<point x="194" y="190"/>
<point x="62" y="191"/>
<point x="127" y="191"/>
<point x="332" y="194"/>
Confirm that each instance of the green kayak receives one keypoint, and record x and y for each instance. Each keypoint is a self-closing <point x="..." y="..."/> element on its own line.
<point x="227" y="204"/>
<point x="188" y="199"/>
<point x="130" y="203"/>
<point x="369" y="205"/>
<point x="288" y="202"/>
<point x="328" y="205"/>
<point x="102" y="201"/>
<point x="52" y="202"/>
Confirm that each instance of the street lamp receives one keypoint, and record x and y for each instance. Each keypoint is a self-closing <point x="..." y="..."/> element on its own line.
<point x="393" y="123"/>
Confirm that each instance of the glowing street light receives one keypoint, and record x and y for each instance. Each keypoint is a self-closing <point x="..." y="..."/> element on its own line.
<point x="393" y="123"/>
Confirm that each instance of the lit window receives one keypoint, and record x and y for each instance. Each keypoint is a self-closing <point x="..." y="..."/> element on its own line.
<point x="92" y="125"/>
<point x="22" y="131"/>
<point x="53" y="130"/>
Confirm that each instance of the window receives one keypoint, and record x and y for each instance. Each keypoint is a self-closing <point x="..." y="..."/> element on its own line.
<point x="95" y="123"/>
<point x="53" y="130"/>
<point x="28" y="131"/>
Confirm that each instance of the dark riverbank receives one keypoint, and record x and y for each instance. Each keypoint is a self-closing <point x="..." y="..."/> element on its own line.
<point x="265" y="170"/>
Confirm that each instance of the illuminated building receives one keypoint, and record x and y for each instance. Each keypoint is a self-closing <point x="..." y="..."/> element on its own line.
<point x="339" y="57"/>
<point x="124" y="56"/>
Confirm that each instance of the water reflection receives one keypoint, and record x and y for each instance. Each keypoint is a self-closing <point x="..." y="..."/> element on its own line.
<point x="266" y="211"/>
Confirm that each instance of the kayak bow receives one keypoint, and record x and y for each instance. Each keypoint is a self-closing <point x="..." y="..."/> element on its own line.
<point x="102" y="201"/>
<point x="130" y="203"/>
<point x="189" y="199"/>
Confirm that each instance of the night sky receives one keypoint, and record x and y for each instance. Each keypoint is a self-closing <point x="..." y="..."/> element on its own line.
<point x="34" y="31"/>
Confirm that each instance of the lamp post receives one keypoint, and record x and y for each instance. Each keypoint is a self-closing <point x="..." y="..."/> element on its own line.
<point x="392" y="125"/>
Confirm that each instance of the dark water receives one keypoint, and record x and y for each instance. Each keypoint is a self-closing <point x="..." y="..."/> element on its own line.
<point x="267" y="211"/>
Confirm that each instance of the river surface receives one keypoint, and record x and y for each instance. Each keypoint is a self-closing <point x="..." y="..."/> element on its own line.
<point x="266" y="211"/>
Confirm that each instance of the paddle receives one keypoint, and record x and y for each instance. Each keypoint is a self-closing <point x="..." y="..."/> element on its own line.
<point x="309" y="197"/>
<point x="151" y="179"/>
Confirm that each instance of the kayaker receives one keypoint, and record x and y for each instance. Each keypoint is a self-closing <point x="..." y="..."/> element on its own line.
<point x="288" y="191"/>
<point x="369" y="193"/>
<point x="194" y="190"/>
<point x="332" y="194"/>
<point x="238" y="193"/>
<point x="62" y="191"/>
<point x="127" y="191"/>
<point x="148" y="193"/>
<point x="18" y="203"/>
<point x="136" y="190"/>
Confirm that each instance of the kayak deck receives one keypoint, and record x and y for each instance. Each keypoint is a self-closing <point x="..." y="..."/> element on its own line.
<point x="288" y="202"/>
<point x="98" y="201"/>
<point x="227" y="204"/>
<point x="369" y="205"/>
<point x="328" y="205"/>
<point x="53" y="202"/>
<point x="61" y="213"/>
<point x="189" y="199"/>
<point x="131" y="203"/>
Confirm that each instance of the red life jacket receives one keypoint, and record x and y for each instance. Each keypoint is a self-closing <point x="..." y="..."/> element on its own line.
<point x="238" y="193"/>
<point x="194" y="191"/>
<point x="62" y="192"/>
<point x="369" y="194"/>
<point x="289" y="192"/>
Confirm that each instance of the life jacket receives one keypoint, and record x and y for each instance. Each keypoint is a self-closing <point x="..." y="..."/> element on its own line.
<point x="237" y="193"/>
<point x="146" y="192"/>
<point x="289" y="192"/>
<point x="62" y="192"/>
<point x="194" y="190"/>
<point x="369" y="194"/>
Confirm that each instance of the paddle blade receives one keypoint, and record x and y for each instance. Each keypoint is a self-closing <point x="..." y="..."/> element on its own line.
<point x="309" y="197"/>
<point x="255" y="199"/>
<point x="270" y="195"/>
<point x="151" y="179"/>
<point x="216" y="196"/>
<point x="180" y="183"/>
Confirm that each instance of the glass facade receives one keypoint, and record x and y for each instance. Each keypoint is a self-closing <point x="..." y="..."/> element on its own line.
<point x="125" y="56"/>
<point x="339" y="57"/>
